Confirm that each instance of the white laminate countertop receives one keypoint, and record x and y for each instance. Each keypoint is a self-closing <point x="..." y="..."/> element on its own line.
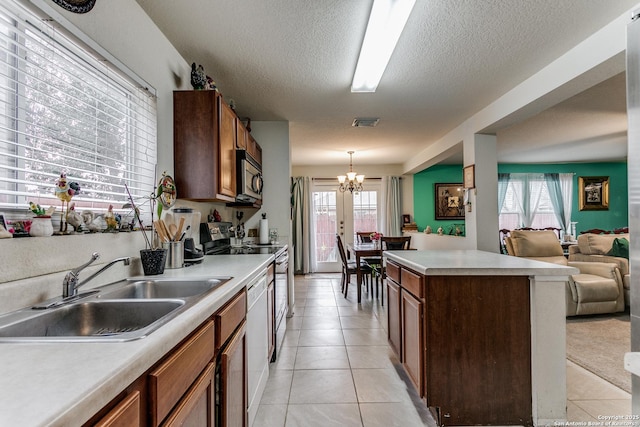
<point x="632" y="362"/>
<point x="64" y="384"/>
<point x="474" y="263"/>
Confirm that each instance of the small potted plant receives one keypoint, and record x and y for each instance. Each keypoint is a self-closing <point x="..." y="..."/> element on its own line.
<point x="153" y="258"/>
<point x="41" y="225"/>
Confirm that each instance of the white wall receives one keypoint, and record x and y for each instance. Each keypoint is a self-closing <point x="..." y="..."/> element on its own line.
<point x="273" y="137"/>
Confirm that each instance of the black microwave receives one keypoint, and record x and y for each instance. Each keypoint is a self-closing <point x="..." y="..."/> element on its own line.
<point x="249" y="183"/>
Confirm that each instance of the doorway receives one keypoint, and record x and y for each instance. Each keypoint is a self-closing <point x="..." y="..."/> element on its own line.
<point x="334" y="213"/>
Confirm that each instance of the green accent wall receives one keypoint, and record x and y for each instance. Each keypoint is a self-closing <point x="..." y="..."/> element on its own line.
<point x="424" y="195"/>
<point x="616" y="216"/>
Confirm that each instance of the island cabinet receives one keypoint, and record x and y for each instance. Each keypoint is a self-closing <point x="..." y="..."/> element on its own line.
<point x="406" y="321"/>
<point x="204" y="146"/>
<point x="465" y="343"/>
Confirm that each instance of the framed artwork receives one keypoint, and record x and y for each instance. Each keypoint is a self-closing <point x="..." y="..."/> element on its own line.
<point x="449" y="203"/>
<point x="406" y="219"/>
<point x="593" y="193"/>
<point x="469" y="176"/>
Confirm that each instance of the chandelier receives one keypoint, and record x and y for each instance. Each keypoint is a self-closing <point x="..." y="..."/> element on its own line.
<point x="354" y="181"/>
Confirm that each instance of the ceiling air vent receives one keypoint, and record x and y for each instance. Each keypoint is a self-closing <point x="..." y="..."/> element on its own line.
<point x="365" y="122"/>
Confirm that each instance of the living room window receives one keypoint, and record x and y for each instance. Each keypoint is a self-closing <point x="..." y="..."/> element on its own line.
<point x="536" y="201"/>
<point x="64" y="109"/>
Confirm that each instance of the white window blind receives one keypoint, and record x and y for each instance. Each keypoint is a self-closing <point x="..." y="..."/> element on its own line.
<point x="65" y="110"/>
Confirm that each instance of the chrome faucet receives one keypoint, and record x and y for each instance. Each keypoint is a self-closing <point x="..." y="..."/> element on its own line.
<point x="70" y="284"/>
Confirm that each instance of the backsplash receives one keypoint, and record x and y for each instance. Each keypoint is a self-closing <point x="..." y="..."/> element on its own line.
<point x="32" y="268"/>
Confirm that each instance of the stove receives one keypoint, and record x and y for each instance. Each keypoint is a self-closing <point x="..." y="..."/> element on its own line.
<point x="215" y="238"/>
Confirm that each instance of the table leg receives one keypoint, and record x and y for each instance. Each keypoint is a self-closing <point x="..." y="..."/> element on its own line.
<point x="359" y="277"/>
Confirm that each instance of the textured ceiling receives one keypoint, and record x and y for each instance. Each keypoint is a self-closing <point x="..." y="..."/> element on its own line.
<point x="293" y="60"/>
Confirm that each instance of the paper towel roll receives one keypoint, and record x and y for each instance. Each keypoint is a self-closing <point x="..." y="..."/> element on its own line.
<point x="264" y="231"/>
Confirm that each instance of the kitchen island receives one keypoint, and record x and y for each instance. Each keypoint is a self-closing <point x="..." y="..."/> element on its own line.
<point x="480" y="335"/>
<point x="65" y="384"/>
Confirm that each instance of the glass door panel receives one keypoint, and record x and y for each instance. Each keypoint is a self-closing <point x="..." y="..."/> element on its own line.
<point x="365" y="212"/>
<point x="325" y="225"/>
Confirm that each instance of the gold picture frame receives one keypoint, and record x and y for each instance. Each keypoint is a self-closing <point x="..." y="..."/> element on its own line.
<point x="593" y="193"/>
<point x="469" y="176"/>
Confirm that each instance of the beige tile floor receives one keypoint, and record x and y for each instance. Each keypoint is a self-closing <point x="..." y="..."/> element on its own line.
<point x="336" y="369"/>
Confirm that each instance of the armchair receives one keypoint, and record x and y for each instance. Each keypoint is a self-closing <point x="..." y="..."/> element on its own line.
<point x="596" y="289"/>
<point x="595" y="248"/>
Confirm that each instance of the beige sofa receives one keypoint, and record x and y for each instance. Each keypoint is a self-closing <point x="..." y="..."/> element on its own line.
<point x="594" y="248"/>
<point x="596" y="289"/>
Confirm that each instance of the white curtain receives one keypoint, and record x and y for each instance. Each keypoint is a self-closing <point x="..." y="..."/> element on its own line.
<point x="301" y="223"/>
<point x="390" y="219"/>
<point x="566" y="187"/>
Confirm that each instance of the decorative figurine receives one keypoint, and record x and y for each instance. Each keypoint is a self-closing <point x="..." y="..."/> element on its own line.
<point x="110" y="219"/>
<point x="75" y="219"/>
<point x="198" y="77"/>
<point x="65" y="191"/>
<point x="440" y="231"/>
<point x="428" y="230"/>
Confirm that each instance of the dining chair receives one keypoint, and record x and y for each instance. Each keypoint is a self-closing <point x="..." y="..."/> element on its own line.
<point x="396" y="243"/>
<point x="364" y="236"/>
<point x="350" y="267"/>
<point x="388" y="244"/>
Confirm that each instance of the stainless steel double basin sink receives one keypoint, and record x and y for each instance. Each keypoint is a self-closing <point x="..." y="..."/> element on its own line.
<point x="122" y="311"/>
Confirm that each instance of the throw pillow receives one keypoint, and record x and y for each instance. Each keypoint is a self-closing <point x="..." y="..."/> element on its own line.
<point x="620" y="248"/>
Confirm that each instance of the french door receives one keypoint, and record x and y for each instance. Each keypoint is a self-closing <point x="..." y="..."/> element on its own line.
<point x="339" y="213"/>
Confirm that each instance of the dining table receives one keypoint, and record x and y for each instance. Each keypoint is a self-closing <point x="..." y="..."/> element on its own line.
<point x="359" y="251"/>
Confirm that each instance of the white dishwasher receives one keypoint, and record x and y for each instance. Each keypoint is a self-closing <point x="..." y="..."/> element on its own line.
<point x="257" y="340"/>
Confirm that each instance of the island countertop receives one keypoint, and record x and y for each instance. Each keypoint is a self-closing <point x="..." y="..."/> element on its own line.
<point x="474" y="263"/>
<point x="64" y="384"/>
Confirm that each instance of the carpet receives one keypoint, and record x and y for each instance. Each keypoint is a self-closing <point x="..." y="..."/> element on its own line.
<point x="598" y="343"/>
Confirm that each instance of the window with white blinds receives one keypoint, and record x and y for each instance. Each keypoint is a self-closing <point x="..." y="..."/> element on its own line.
<point x="65" y="110"/>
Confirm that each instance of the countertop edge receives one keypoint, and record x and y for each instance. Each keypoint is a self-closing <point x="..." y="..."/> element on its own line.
<point x="632" y="362"/>
<point x="464" y="262"/>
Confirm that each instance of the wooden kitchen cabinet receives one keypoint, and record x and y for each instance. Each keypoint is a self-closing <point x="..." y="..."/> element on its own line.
<point x="227" y="170"/>
<point x="171" y="379"/>
<point x="406" y="321"/>
<point x="127" y="413"/>
<point x="241" y="135"/>
<point x="204" y="146"/>
<point x="233" y="381"/>
<point x="463" y="341"/>
<point x="412" y="340"/>
<point x="232" y="368"/>
<point x="197" y="408"/>
<point x="393" y="318"/>
<point x="245" y="141"/>
<point x="254" y="149"/>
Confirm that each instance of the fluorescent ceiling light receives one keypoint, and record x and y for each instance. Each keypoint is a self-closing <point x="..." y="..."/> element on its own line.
<point x="386" y="22"/>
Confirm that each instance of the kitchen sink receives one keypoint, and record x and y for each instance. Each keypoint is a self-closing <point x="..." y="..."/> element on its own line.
<point x="95" y="320"/>
<point x="151" y="289"/>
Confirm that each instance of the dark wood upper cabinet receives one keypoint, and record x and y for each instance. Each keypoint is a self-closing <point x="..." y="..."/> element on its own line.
<point x="204" y="146"/>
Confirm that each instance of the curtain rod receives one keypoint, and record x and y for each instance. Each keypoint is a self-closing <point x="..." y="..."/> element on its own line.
<point x="335" y="179"/>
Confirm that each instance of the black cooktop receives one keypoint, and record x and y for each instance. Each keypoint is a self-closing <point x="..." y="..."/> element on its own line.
<point x="255" y="249"/>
